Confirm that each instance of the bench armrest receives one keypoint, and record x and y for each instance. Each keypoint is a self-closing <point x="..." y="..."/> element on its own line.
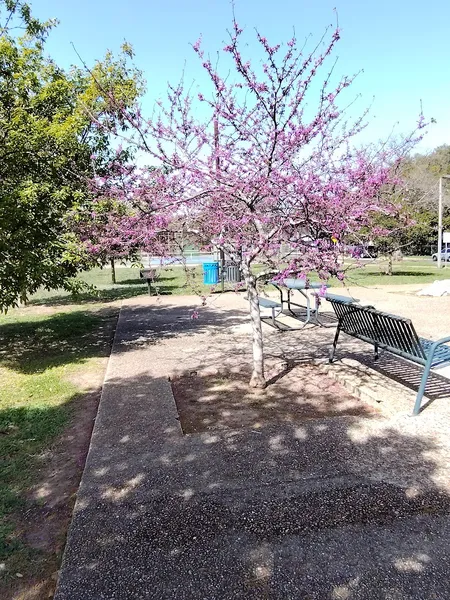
<point x="345" y="299"/>
<point x="440" y="342"/>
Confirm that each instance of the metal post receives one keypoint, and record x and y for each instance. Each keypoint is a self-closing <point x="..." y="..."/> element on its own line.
<point x="439" y="251"/>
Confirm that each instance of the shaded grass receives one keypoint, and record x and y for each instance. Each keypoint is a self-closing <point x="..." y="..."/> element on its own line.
<point x="34" y="344"/>
<point x="39" y="357"/>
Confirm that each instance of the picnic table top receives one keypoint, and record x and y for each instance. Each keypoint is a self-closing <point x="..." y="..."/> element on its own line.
<point x="297" y="284"/>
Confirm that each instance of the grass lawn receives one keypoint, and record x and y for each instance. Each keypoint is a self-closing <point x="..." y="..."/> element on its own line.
<point x="172" y="280"/>
<point x="409" y="270"/>
<point x="51" y="367"/>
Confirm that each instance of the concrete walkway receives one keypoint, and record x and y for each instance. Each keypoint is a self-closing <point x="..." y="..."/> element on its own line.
<point x="333" y="508"/>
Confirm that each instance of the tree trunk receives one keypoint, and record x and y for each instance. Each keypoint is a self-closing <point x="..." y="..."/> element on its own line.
<point x="23" y="298"/>
<point x="257" y="379"/>
<point x="113" y="271"/>
<point x="389" y="265"/>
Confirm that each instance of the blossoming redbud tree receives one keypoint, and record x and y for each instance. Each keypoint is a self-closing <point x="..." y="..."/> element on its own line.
<point x="264" y="161"/>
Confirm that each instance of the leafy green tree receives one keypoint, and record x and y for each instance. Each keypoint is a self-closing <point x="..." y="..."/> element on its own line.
<point x="50" y="145"/>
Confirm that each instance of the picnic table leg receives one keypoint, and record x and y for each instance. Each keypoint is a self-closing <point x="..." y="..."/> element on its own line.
<point x="316" y="311"/>
<point x="289" y="302"/>
<point x="282" y="300"/>
<point x="273" y="317"/>
<point x="308" y="306"/>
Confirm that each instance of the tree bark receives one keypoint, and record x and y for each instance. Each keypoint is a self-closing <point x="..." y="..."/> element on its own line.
<point x="113" y="271"/>
<point x="257" y="379"/>
<point x="389" y="265"/>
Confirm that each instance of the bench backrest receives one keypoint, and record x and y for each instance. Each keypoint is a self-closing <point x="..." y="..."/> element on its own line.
<point x="390" y="332"/>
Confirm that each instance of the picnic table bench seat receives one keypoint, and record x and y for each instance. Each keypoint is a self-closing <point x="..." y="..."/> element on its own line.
<point x="391" y="333"/>
<point x="275" y="307"/>
<point x="266" y="303"/>
<point x="287" y="304"/>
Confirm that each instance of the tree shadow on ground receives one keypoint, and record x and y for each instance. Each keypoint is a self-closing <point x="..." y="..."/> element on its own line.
<point x="101" y="295"/>
<point x="69" y="337"/>
<point x="223" y="400"/>
<point x="407" y="374"/>
<point x="140" y="280"/>
<point x="343" y="507"/>
<point x="398" y="273"/>
<point x="151" y="324"/>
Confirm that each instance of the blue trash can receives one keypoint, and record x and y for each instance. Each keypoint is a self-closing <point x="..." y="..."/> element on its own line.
<point x="211" y="273"/>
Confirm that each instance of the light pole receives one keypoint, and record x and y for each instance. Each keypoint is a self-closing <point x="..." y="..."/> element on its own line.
<point x="439" y="252"/>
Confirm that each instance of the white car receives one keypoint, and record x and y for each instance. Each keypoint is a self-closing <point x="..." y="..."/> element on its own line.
<point x="445" y="255"/>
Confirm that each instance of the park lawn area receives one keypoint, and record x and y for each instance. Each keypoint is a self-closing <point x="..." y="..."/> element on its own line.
<point x="173" y="280"/>
<point x="415" y="270"/>
<point x="52" y="363"/>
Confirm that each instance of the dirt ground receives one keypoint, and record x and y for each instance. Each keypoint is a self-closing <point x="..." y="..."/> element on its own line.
<point x="44" y="522"/>
<point x="216" y="401"/>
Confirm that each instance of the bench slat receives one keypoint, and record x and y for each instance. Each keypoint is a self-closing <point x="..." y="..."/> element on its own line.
<point x="441" y="355"/>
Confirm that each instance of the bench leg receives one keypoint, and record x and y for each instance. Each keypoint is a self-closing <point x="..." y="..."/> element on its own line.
<point x="376" y="356"/>
<point x="333" y="349"/>
<point x="423" y="384"/>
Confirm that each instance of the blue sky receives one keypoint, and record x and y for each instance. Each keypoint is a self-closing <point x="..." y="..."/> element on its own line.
<point x="402" y="46"/>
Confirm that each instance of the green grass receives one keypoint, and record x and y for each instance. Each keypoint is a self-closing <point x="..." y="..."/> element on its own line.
<point x="40" y="357"/>
<point x="415" y="270"/>
<point x="172" y="281"/>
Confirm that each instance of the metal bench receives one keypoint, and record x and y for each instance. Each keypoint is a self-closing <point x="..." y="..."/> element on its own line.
<point x="393" y="334"/>
<point x="266" y="303"/>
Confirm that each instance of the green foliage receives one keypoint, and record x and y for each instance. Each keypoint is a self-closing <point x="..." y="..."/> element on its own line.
<point x="49" y="135"/>
<point x="412" y="227"/>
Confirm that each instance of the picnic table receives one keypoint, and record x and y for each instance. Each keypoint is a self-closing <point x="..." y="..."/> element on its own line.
<point x="308" y="315"/>
<point x="287" y="286"/>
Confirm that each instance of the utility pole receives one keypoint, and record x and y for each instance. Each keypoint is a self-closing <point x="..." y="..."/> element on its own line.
<point x="440" y="232"/>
